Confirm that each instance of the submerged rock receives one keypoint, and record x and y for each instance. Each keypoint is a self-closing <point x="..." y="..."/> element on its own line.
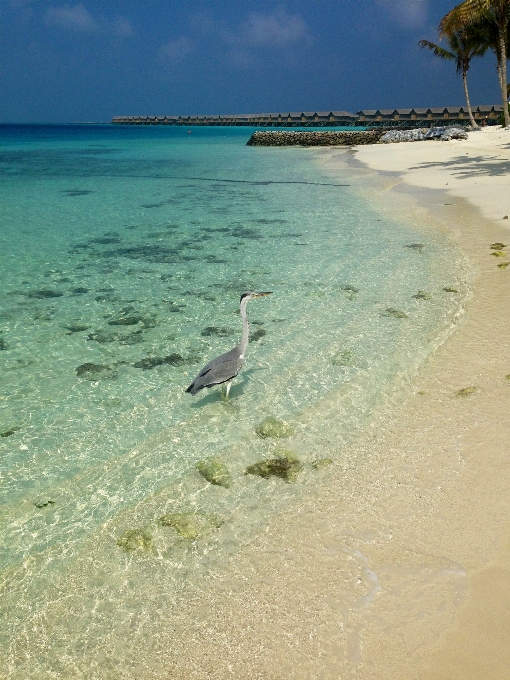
<point x="448" y="289"/>
<point x="215" y="472"/>
<point x="394" y="313"/>
<point x="286" y="466"/>
<point x="43" y="293"/>
<point x="76" y="328"/>
<point x="221" y="332"/>
<point x="90" y="371"/>
<point x="272" y="428"/>
<point x="44" y="503"/>
<point x="344" y="358"/>
<point x="498" y="246"/>
<point x="503" y="265"/>
<point x="10" y="432"/>
<point x="103" y="336"/>
<point x="466" y="391"/>
<point x="136" y="539"/>
<point x="499" y="253"/>
<point x="151" y="362"/>
<point x="3" y="344"/>
<point x="106" y="240"/>
<point x="125" y="321"/>
<point x="257" y="335"/>
<point x="322" y="463"/>
<point x="79" y="291"/>
<point x="349" y="289"/>
<point x="190" y="525"/>
<point x="422" y="295"/>
<point x="132" y="338"/>
<point x="416" y="246"/>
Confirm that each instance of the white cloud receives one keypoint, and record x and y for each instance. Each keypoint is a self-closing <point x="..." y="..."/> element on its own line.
<point x="277" y="30"/>
<point x="409" y="13"/>
<point x="73" y="17"/>
<point x="79" y="19"/>
<point x="177" y="50"/>
<point x="122" y="28"/>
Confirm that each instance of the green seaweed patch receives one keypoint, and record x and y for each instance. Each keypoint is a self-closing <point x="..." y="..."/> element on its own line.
<point x="103" y="336"/>
<point x="259" y="333"/>
<point x="422" y="295"/>
<point x="498" y="246"/>
<point x="449" y="289"/>
<point x="190" y="525"/>
<point x="503" y="265"/>
<point x="91" y="371"/>
<point x="10" y="431"/>
<point x="44" y="503"/>
<point x="499" y="253"/>
<point x="76" y="328"/>
<point x="43" y="293"/>
<point x="272" y="428"/>
<point x="285" y="465"/>
<point x="345" y="357"/>
<point x="322" y="463"/>
<point x="394" y="313"/>
<point x="215" y="472"/>
<point x="125" y="321"/>
<point x="220" y="332"/>
<point x="151" y="362"/>
<point x="466" y="391"/>
<point x="136" y="539"/>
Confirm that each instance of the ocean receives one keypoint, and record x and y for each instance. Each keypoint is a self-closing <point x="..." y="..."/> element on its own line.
<point x="124" y="252"/>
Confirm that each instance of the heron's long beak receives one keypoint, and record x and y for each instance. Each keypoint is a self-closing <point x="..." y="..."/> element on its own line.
<point x="269" y="292"/>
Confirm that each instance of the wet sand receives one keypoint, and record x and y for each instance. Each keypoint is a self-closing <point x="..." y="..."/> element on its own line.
<point x="398" y="566"/>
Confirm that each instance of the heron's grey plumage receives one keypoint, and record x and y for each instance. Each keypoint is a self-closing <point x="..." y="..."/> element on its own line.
<point x="224" y="368"/>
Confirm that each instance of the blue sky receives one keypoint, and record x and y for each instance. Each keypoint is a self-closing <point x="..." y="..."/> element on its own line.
<point x="93" y="59"/>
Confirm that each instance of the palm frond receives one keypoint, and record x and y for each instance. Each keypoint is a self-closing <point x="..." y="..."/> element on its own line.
<point x="437" y="49"/>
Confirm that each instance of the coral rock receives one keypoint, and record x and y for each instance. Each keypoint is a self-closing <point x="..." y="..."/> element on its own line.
<point x="215" y="472"/>
<point x="272" y="428"/>
<point x="286" y="466"/>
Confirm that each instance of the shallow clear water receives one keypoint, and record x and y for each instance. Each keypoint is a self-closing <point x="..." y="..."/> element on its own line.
<point x="122" y="244"/>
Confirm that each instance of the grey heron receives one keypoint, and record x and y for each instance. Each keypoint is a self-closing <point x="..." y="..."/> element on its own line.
<point x="224" y="368"/>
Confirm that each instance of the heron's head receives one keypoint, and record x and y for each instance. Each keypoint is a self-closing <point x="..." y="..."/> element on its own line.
<point x="252" y="294"/>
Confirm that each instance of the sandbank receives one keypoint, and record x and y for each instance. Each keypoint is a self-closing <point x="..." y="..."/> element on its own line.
<point x="404" y="575"/>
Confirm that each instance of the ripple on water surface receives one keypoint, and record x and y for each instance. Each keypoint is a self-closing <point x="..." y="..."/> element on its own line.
<point x="124" y="255"/>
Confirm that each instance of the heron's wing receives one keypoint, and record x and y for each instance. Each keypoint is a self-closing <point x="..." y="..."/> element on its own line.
<point x="217" y="371"/>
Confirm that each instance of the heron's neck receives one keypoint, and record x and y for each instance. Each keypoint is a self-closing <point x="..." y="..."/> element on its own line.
<point x="246" y="327"/>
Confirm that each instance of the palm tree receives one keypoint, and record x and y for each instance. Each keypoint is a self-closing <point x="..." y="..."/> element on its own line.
<point x="488" y="32"/>
<point x="464" y="45"/>
<point x="471" y="12"/>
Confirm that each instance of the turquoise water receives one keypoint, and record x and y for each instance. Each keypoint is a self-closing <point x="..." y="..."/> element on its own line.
<point x="128" y="248"/>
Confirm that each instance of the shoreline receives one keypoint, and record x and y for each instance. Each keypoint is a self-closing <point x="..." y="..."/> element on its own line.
<point x="478" y="352"/>
<point x="405" y="577"/>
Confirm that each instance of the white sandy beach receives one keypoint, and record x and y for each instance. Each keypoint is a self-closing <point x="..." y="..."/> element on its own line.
<point x="406" y="576"/>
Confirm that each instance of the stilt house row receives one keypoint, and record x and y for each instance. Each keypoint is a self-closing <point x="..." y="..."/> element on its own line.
<point x="366" y="118"/>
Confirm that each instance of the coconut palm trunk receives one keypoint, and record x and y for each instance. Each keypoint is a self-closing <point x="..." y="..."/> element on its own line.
<point x="468" y="103"/>
<point x="503" y="27"/>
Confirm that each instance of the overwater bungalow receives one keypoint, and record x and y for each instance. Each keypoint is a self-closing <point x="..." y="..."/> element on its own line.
<point x="366" y="117"/>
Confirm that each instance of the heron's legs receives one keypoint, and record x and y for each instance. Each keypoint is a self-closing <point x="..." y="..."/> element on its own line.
<point x="224" y="394"/>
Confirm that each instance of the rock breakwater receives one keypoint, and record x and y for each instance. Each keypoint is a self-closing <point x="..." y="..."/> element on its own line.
<point x="303" y="138"/>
